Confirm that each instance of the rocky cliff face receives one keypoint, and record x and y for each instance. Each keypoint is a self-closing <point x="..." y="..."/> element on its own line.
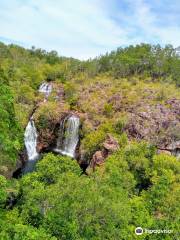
<point x="49" y="112"/>
<point x="158" y="124"/>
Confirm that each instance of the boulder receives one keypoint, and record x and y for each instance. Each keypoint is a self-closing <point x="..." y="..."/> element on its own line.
<point x="164" y="152"/>
<point x="174" y="146"/>
<point x="98" y="159"/>
<point x="110" y="145"/>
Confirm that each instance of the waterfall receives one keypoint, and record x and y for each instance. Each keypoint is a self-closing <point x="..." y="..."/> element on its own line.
<point x="30" y="140"/>
<point x="68" y="136"/>
<point x="45" y="88"/>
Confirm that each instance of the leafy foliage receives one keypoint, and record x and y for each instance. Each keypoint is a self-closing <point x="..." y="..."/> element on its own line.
<point x="10" y="137"/>
<point x="134" y="187"/>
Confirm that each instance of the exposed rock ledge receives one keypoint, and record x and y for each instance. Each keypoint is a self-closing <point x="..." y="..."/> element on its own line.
<point x="109" y="146"/>
<point x="158" y="124"/>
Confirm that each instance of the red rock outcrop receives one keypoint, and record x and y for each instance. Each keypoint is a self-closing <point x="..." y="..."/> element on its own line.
<point x="109" y="146"/>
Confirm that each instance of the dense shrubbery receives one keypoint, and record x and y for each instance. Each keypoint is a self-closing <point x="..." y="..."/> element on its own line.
<point x="94" y="140"/>
<point x="135" y="187"/>
<point x="10" y="132"/>
<point x="57" y="200"/>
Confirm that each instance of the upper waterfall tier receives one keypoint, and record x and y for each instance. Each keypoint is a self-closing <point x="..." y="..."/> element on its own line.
<point x="45" y="88"/>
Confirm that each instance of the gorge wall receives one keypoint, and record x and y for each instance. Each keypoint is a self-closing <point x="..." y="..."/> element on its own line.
<point x="58" y="126"/>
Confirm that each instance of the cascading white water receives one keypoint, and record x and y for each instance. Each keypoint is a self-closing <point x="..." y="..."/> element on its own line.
<point x="68" y="136"/>
<point x="45" y="88"/>
<point x="30" y="140"/>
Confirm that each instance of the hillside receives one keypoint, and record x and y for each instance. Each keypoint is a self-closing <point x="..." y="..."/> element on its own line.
<point x="89" y="149"/>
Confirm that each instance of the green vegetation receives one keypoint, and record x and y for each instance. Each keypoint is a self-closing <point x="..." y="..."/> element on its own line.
<point x="10" y="136"/>
<point x="57" y="200"/>
<point x="134" y="187"/>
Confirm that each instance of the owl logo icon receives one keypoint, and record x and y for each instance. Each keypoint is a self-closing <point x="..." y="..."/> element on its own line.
<point x="138" y="231"/>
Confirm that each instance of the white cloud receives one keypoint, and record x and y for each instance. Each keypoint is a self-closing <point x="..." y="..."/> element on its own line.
<point x="78" y="28"/>
<point x="83" y="28"/>
<point x="147" y="21"/>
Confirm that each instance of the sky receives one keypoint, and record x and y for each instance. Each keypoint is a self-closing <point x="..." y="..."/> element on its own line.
<point x="87" y="28"/>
